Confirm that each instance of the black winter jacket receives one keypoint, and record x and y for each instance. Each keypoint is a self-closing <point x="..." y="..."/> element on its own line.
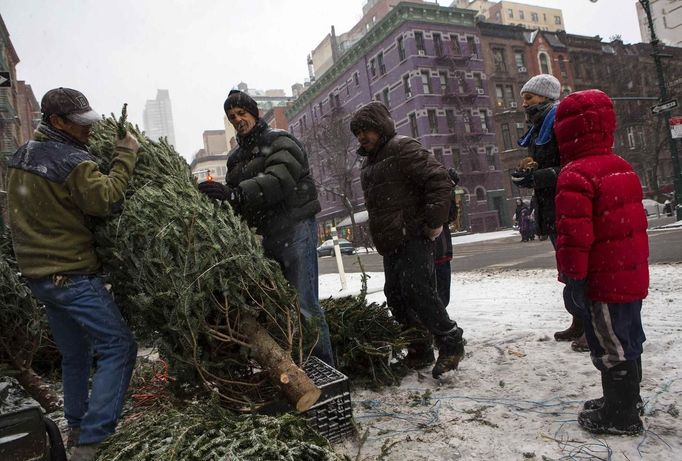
<point x="271" y="169"/>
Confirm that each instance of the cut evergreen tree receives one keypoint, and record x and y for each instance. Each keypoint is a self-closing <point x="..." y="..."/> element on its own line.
<point x="23" y="328"/>
<point x="205" y="432"/>
<point x="367" y="341"/>
<point x="191" y="277"/>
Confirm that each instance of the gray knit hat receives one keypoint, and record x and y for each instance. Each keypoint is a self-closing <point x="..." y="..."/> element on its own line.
<point x="543" y="85"/>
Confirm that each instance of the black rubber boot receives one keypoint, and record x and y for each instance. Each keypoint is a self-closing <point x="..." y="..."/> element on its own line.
<point x="571" y="333"/>
<point x="596" y="404"/>
<point x="420" y="353"/>
<point x="618" y="415"/>
<point x="450" y="353"/>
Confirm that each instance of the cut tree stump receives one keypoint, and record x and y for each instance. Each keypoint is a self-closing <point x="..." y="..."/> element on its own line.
<point x="298" y="388"/>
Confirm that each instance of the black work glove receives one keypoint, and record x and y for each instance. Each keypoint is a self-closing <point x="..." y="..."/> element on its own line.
<point x="214" y="190"/>
<point x="235" y="198"/>
<point x="523" y="178"/>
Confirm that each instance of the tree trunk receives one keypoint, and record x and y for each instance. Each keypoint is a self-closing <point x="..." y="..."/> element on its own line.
<point x="298" y="388"/>
<point x="36" y="388"/>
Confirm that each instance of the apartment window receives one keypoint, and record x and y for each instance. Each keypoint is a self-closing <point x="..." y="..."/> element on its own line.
<point x="508" y="94"/>
<point x="467" y="122"/>
<point x="562" y="67"/>
<point x="406" y="86"/>
<point x="386" y="97"/>
<point x="631" y="137"/>
<point x="490" y="155"/>
<point x="519" y="59"/>
<point x="372" y="67"/>
<point x="454" y="44"/>
<point x="499" y="95"/>
<point x="337" y="101"/>
<point x="544" y="63"/>
<point x="414" y="130"/>
<point x="356" y="79"/>
<point x="479" y="80"/>
<point x="380" y="61"/>
<point x="557" y="20"/>
<point x="544" y="17"/>
<point x="475" y="166"/>
<point x="426" y="81"/>
<point x="498" y="59"/>
<point x="484" y="121"/>
<point x="450" y="120"/>
<point x="471" y="42"/>
<point x="305" y="122"/>
<point x="443" y="80"/>
<point x="419" y="40"/>
<point x="347" y="89"/>
<point x="534" y="17"/>
<point x="506" y="136"/>
<point x="401" y="48"/>
<point x="510" y="13"/>
<point x="438" y="153"/>
<point x="456" y="159"/>
<point x="522" y="15"/>
<point x="377" y="97"/>
<point x="433" y="121"/>
<point x="331" y="100"/>
<point x="520" y="130"/>
<point x="320" y="108"/>
<point x="438" y="44"/>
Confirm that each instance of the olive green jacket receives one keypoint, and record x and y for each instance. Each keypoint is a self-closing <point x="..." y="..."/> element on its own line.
<point x="53" y="189"/>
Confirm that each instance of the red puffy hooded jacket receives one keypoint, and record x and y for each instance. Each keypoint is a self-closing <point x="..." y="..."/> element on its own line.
<point x="601" y="223"/>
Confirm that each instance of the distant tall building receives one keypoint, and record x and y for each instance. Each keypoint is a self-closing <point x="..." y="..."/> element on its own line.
<point x="667" y="17"/>
<point x="158" y="117"/>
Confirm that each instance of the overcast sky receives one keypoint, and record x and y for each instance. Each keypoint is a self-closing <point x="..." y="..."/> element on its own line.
<point x="124" y="50"/>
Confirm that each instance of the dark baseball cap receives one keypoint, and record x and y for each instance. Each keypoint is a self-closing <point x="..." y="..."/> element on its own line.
<point x="69" y="103"/>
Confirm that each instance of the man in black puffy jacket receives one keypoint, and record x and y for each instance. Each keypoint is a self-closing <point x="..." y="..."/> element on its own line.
<point x="269" y="184"/>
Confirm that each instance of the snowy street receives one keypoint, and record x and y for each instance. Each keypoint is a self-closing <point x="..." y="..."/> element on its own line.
<point x="518" y="392"/>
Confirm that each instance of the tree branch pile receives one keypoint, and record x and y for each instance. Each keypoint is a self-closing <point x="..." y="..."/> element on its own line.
<point x="368" y="343"/>
<point x="205" y="432"/>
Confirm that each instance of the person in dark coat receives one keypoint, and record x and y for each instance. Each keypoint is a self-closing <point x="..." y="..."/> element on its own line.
<point x="269" y="184"/>
<point x="540" y="95"/>
<point x="407" y="194"/>
<point x="602" y="255"/>
<point x="443" y="251"/>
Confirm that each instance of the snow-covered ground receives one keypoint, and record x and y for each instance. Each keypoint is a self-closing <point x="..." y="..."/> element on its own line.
<point x="518" y="392"/>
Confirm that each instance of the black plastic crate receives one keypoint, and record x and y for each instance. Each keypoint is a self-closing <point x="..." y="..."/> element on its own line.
<point x="332" y="415"/>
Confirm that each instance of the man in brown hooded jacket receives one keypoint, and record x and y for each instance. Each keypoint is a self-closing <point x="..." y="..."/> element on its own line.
<point x="407" y="195"/>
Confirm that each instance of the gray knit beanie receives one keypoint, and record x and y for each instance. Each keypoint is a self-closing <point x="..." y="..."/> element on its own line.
<point x="543" y="85"/>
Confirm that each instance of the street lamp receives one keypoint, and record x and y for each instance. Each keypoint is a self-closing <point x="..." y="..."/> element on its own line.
<point x="663" y="91"/>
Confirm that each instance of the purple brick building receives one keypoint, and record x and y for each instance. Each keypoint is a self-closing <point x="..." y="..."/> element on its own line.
<point x="424" y="62"/>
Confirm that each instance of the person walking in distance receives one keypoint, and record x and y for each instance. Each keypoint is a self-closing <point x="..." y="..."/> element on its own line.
<point x="54" y="187"/>
<point x="407" y="195"/>
<point x="540" y="95"/>
<point x="602" y="251"/>
<point x="269" y="184"/>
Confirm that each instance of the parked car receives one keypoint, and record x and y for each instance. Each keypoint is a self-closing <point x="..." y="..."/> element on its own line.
<point x="652" y="207"/>
<point x="327" y="248"/>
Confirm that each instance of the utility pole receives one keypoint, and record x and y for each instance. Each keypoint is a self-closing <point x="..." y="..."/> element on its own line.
<point x="663" y="91"/>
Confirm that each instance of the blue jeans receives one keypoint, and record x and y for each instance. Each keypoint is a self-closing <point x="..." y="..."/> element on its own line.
<point x="85" y="321"/>
<point x="297" y="256"/>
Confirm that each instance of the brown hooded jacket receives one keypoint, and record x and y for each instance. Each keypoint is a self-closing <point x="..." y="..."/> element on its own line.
<point x="405" y="187"/>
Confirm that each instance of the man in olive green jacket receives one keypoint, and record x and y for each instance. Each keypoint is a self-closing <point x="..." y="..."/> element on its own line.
<point x="54" y="188"/>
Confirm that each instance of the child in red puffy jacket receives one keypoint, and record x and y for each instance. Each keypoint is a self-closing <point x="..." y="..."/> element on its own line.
<point x="602" y="255"/>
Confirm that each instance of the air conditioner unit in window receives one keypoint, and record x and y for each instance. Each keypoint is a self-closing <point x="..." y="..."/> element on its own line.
<point x="480" y="90"/>
<point x="421" y="52"/>
<point x="408" y="95"/>
<point x="521" y="69"/>
<point x="512" y="105"/>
